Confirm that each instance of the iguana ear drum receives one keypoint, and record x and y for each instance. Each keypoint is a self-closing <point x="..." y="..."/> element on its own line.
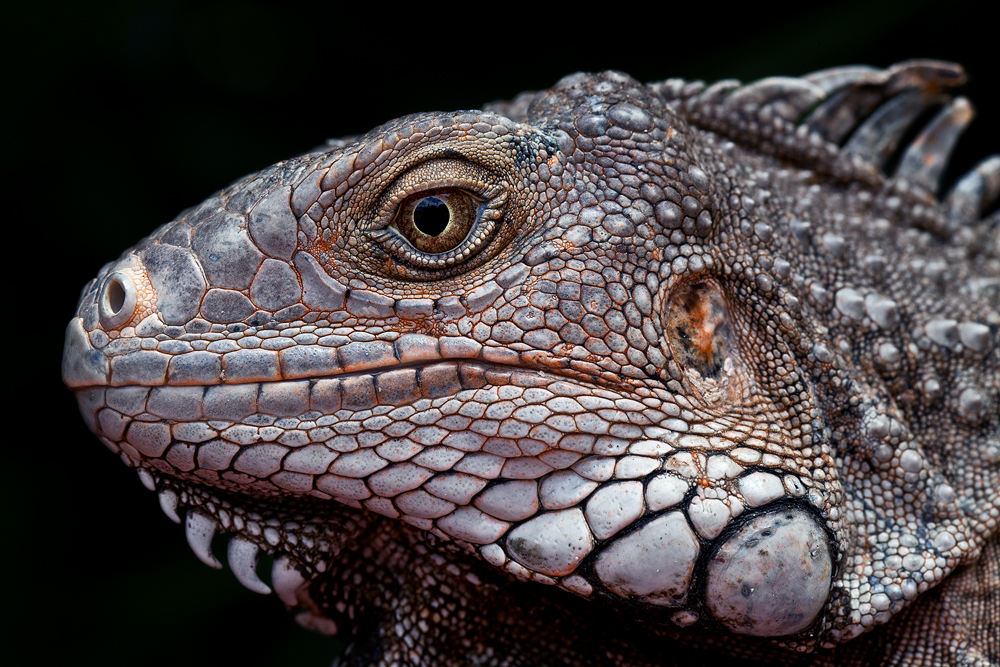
<point x="698" y="329"/>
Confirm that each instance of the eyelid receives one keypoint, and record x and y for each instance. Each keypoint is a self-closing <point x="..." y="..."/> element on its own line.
<point x="435" y="175"/>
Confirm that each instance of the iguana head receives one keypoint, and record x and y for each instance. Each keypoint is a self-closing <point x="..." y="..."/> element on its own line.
<point x="566" y="333"/>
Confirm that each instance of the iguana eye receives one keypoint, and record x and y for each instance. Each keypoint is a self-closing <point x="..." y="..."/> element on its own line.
<point x="429" y="229"/>
<point x="439" y="222"/>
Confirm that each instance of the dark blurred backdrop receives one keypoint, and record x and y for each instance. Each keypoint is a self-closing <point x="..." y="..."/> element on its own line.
<point x="120" y="114"/>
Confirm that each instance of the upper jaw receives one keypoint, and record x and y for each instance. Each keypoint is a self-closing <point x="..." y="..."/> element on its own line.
<point x="140" y="361"/>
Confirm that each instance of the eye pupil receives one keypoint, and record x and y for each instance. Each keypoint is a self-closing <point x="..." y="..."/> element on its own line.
<point x="437" y="222"/>
<point x="431" y="216"/>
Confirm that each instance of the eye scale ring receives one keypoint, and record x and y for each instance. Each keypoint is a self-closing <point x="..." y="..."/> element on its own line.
<point x="117" y="300"/>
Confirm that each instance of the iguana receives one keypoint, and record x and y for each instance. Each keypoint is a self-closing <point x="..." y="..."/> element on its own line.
<point x="610" y="374"/>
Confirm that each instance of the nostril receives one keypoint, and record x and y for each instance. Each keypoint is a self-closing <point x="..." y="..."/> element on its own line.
<point x="116" y="296"/>
<point x="117" y="300"/>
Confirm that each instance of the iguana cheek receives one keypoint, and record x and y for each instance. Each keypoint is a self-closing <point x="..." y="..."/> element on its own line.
<point x="553" y="543"/>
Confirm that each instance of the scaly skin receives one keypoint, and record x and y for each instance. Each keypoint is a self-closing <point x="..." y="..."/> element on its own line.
<point x="686" y="353"/>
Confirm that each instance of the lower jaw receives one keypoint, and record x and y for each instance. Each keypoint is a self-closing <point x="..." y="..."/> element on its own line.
<point x="303" y="535"/>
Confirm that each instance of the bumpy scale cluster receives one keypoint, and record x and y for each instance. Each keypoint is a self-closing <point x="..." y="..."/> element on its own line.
<point x="683" y="351"/>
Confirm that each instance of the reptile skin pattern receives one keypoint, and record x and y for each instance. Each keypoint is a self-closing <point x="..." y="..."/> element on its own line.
<point x="609" y="374"/>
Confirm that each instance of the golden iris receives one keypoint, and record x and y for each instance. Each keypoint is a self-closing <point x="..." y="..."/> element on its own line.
<point x="437" y="222"/>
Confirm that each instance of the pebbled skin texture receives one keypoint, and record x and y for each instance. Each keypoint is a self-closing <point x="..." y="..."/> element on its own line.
<point x="680" y="321"/>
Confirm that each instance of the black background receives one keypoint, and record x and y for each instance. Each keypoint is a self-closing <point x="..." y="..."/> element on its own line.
<point x="120" y="115"/>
